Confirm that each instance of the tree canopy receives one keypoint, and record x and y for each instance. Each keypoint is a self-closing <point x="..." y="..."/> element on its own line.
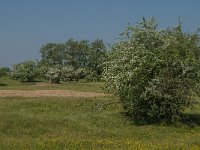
<point x="78" y="54"/>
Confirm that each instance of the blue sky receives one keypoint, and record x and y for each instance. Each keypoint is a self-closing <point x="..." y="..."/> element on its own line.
<point x="25" y="25"/>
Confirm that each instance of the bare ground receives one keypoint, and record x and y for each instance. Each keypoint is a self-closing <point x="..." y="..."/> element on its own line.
<point x="50" y="93"/>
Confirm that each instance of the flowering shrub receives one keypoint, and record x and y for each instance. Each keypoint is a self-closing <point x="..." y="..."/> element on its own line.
<point x="42" y="70"/>
<point x="155" y="73"/>
<point x="92" y="76"/>
<point x="68" y="73"/>
<point x="54" y="74"/>
<point x="25" y="72"/>
<point x="64" y="73"/>
<point x="79" y="73"/>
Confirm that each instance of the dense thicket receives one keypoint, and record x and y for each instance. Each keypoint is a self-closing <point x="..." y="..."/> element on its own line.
<point x="154" y="72"/>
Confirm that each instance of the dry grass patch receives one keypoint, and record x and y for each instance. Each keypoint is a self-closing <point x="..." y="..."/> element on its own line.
<point x="51" y="93"/>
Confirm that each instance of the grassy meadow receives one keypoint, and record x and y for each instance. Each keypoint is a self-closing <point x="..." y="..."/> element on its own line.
<point x="55" y="123"/>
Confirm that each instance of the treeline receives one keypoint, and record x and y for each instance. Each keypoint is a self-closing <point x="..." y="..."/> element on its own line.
<point x="72" y="60"/>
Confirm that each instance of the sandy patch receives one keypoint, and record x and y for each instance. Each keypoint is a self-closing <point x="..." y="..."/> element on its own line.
<point x="42" y="84"/>
<point x="50" y="93"/>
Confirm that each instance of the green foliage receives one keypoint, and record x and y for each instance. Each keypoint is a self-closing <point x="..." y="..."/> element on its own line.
<point x="92" y="76"/>
<point x="69" y="73"/>
<point x="25" y="71"/>
<point x="4" y="71"/>
<point x="79" y="73"/>
<point x="81" y="55"/>
<point x="54" y="74"/>
<point x="154" y="72"/>
<point x="76" y="53"/>
<point x="97" y="56"/>
<point x="58" y="73"/>
<point x="52" y="54"/>
<point x="42" y="71"/>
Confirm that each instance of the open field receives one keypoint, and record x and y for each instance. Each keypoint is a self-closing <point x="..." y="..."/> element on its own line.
<point x="83" y="122"/>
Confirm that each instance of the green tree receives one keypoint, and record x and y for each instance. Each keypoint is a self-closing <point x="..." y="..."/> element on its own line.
<point x="76" y="53"/>
<point x="82" y="55"/>
<point x="52" y="54"/>
<point x="154" y="72"/>
<point x="97" y="56"/>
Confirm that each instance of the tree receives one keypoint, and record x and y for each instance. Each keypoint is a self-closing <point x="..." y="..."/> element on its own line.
<point x="52" y="54"/>
<point x="97" y="56"/>
<point x="25" y="71"/>
<point x="85" y="55"/>
<point x="81" y="55"/>
<point x="154" y="72"/>
<point x="76" y="53"/>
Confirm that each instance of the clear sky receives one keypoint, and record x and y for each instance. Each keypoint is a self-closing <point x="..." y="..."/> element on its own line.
<point x="25" y="25"/>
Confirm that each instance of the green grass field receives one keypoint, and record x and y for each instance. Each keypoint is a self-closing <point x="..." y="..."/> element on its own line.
<point x="55" y="123"/>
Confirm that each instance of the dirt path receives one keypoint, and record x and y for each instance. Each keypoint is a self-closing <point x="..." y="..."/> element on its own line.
<point x="50" y="93"/>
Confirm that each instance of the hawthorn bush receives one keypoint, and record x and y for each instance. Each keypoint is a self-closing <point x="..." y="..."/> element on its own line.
<point x="42" y="70"/>
<point x="92" y="76"/>
<point x="69" y="73"/>
<point x="58" y="73"/>
<point x="54" y="74"/>
<point x="154" y="72"/>
<point x="25" y="71"/>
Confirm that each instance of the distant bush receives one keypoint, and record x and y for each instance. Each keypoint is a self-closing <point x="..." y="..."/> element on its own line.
<point x="155" y="73"/>
<point x="25" y="71"/>
<point x="59" y="73"/>
<point x="68" y="73"/>
<point x="54" y="74"/>
<point x="42" y="70"/>
<point x="92" y="76"/>
<point x="4" y="71"/>
<point x="79" y="73"/>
